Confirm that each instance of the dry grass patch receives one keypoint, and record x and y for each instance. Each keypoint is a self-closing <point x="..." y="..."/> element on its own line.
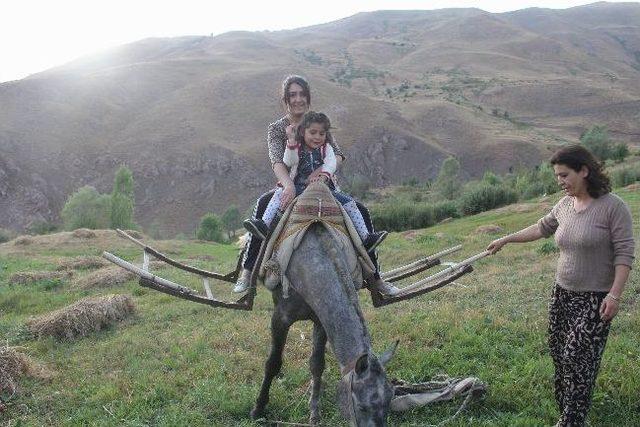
<point x="84" y="233"/>
<point x="23" y="241"/>
<point x="83" y="317"/>
<point x="29" y="277"/>
<point x="14" y="364"/>
<point x="82" y="263"/>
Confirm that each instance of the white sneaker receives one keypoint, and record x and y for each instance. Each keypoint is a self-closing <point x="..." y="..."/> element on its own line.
<point x="243" y="282"/>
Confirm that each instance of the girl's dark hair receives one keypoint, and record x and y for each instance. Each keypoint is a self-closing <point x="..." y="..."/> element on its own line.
<point x="308" y="118"/>
<point x="576" y="156"/>
<point x="286" y="84"/>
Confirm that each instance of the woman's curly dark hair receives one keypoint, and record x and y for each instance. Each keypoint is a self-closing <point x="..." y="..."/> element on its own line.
<point x="286" y="84"/>
<point x="308" y="118"/>
<point x="576" y="156"/>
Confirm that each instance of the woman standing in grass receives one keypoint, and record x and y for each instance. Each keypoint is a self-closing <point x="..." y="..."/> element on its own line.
<point x="593" y="229"/>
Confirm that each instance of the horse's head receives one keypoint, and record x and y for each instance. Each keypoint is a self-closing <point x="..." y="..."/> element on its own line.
<point x="365" y="393"/>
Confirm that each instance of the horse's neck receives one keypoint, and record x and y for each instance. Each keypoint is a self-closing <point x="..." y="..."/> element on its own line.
<point x="330" y="294"/>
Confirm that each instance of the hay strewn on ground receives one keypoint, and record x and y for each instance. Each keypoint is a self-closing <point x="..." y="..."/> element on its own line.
<point x="23" y="240"/>
<point x="28" y="277"/>
<point x="83" y="317"/>
<point x="103" y="278"/>
<point x="84" y="233"/>
<point x="111" y="276"/>
<point x="14" y="364"/>
<point x="83" y="263"/>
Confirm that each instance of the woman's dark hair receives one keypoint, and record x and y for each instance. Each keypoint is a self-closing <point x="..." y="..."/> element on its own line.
<point x="308" y="118"/>
<point x="575" y="157"/>
<point x="286" y="84"/>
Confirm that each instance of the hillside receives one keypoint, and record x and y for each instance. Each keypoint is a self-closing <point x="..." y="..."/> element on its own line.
<point x="404" y="89"/>
<point x="177" y="363"/>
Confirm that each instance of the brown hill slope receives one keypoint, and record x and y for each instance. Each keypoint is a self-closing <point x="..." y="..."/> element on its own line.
<point x="404" y="89"/>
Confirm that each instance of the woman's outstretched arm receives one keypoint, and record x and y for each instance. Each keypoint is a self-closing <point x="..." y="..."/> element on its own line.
<point x="528" y="234"/>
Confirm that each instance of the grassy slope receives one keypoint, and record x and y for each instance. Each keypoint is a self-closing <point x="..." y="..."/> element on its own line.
<point x="179" y="363"/>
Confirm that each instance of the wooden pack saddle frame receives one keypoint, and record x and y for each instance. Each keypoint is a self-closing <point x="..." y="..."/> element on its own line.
<point x="452" y="272"/>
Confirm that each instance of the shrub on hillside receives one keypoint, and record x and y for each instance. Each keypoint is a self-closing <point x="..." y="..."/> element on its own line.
<point x="481" y="197"/>
<point x="210" y="228"/>
<point x="625" y="176"/>
<point x="535" y="182"/>
<point x="6" y="235"/>
<point x="42" y="227"/>
<point x="86" y="208"/>
<point x="597" y="140"/>
<point x="406" y="215"/>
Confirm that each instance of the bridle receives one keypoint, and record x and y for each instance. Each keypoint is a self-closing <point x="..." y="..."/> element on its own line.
<point x="349" y="371"/>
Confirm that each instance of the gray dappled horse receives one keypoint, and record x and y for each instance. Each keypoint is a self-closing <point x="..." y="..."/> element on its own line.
<point x="322" y="291"/>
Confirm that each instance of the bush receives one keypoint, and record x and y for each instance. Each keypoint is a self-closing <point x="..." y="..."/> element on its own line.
<point x="625" y="176"/>
<point x="210" y="228"/>
<point x="86" y="208"/>
<point x="406" y="215"/>
<point x="597" y="140"/>
<point x="6" y="235"/>
<point x="482" y="197"/>
<point x="42" y="227"/>
<point x="619" y="152"/>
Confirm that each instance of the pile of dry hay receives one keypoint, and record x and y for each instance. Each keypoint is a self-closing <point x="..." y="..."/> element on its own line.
<point x="14" y="364"/>
<point x="83" y="317"/>
<point x="28" y="277"/>
<point x="111" y="276"/>
<point x="104" y="278"/>
<point x="82" y="263"/>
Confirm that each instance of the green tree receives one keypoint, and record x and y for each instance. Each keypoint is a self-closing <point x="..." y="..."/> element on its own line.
<point x="122" y="199"/>
<point x="491" y="178"/>
<point x="448" y="182"/>
<point x="231" y="220"/>
<point x="210" y="228"/>
<point x="86" y="208"/>
<point x="597" y="140"/>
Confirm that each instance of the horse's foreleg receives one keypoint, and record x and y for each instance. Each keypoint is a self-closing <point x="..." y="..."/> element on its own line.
<point x="272" y="367"/>
<point x="316" y="365"/>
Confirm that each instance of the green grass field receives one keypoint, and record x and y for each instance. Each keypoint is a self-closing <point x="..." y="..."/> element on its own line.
<point x="180" y="363"/>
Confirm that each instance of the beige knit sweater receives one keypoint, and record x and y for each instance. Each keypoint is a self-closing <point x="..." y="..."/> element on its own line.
<point x="592" y="242"/>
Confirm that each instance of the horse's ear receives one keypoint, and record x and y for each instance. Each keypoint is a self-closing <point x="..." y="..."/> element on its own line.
<point x="388" y="353"/>
<point x="362" y="364"/>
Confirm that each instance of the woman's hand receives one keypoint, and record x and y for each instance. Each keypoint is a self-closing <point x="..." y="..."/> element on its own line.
<point x="315" y="175"/>
<point x="496" y="245"/>
<point x="291" y="134"/>
<point x="318" y="178"/>
<point x="288" y="193"/>
<point x="609" y="308"/>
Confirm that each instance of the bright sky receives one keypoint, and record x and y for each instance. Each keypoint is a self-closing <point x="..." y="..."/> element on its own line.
<point x="39" y="34"/>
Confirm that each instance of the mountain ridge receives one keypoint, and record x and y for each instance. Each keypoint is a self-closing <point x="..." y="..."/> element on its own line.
<point x="404" y="89"/>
